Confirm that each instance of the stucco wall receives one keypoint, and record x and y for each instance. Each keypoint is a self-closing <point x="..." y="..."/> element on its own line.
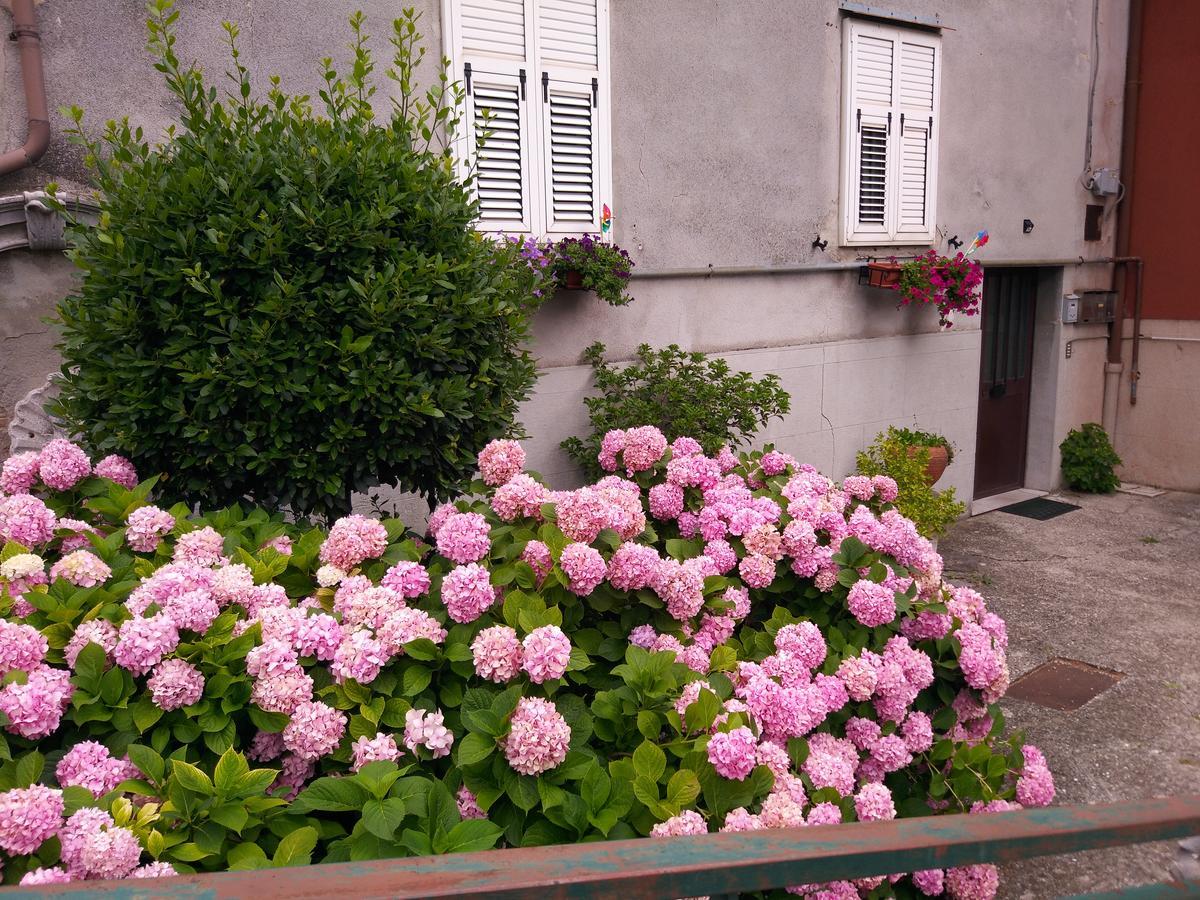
<point x="725" y="152"/>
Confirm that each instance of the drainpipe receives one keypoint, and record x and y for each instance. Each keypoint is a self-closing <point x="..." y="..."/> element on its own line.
<point x="29" y="46"/>
<point x="1113" y="365"/>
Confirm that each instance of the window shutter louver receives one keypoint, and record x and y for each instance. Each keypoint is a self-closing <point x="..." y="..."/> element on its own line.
<point x="499" y="132"/>
<point x="889" y="120"/>
<point x="916" y="95"/>
<point x="540" y="67"/>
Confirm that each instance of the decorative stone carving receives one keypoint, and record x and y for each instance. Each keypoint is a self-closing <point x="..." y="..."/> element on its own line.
<point x="31" y="427"/>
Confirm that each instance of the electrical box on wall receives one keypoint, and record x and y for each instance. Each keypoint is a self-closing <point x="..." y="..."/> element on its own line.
<point x="1070" y="310"/>
<point x="1097" y="306"/>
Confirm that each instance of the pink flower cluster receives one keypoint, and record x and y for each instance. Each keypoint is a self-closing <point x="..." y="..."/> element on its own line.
<point x="422" y="729"/>
<point x="500" y="462"/>
<point x="89" y="764"/>
<point x="146" y="527"/>
<point x="538" y="738"/>
<point x="352" y="541"/>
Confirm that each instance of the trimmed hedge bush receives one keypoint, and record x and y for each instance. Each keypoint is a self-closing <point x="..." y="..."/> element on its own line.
<point x="289" y="305"/>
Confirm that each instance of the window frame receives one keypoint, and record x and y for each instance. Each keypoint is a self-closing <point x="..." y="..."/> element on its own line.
<point x="892" y="233"/>
<point x="536" y="116"/>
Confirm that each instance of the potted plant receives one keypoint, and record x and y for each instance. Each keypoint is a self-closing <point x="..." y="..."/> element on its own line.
<point x="883" y="273"/>
<point x="950" y="284"/>
<point x="899" y="453"/>
<point x="589" y="263"/>
<point x="916" y="443"/>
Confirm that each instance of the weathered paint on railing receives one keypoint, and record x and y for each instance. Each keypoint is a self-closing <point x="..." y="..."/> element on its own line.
<point x="691" y="866"/>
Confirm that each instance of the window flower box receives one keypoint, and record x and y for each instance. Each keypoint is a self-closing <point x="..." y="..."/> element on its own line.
<point x="882" y="274"/>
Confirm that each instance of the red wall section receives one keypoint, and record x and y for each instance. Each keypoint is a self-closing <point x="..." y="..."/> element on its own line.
<point x="1165" y="198"/>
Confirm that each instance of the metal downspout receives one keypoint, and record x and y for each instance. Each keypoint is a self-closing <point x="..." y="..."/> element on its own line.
<point x="29" y="46"/>
<point x="1114" y="365"/>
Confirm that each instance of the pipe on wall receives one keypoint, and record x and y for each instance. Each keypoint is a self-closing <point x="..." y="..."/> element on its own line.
<point x="29" y="47"/>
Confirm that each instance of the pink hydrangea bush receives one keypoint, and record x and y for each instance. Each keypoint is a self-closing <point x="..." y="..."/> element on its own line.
<point x="521" y="667"/>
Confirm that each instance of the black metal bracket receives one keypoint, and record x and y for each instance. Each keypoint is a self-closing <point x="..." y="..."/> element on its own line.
<point x="522" y="77"/>
<point x="819" y="244"/>
<point x="595" y="93"/>
<point x="901" y="123"/>
<point x="467" y="77"/>
<point x="889" y="131"/>
<point x="545" y="87"/>
<point x="955" y="242"/>
<point x="1027" y="226"/>
<point x="859" y="124"/>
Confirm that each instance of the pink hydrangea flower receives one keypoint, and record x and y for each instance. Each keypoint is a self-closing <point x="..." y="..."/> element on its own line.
<point x="315" y="730"/>
<point x="81" y="568"/>
<point x="644" y="446"/>
<point x="501" y="461"/>
<point x="872" y="604"/>
<point x="467" y="592"/>
<point x="281" y="544"/>
<point x="117" y="468"/>
<point x="463" y="538"/>
<point x="145" y="528"/>
<point x="497" y="653"/>
<point x="318" y="636"/>
<point x="681" y="587"/>
<point x="365" y="750"/>
<point x="408" y="579"/>
<point x="633" y="566"/>
<point x="78" y="538"/>
<point x="175" y="683"/>
<point x="538" y="557"/>
<point x="803" y="640"/>
<point x="202" y="547"/>
<point x="282" y="692"/>
<point x="757" y="571"/>
<point x="352" y="541"/>
<point x="88" y="764"/>
<point x="979" y="882"/>
<point x="426" y="730"/>
<point x="734" y="753"/>
<point x="406" y="625"/>
<point x="62" y="465"/>
<point x="95" y="631"/>
<point x="546" y="652"/>
<point x="44" y="875"/>
<point x="19" y="473"/>
<point x="142" y="643"/>
<point x="666" y="501"/>
<point x="26" y="520"/>
<point x="468" y="805"/>
<point x="21" y="647"/>
<point x="521" y="496"/>
<point x="1035" y="786"/>
<point x="154" y="870"/>
<point x="538" y="738"/>
<point x="584" y="566"/>
<point x="109" y="853"/>
<point x="781" y="810"/>
<point x="687" y="822"/>
<point x="825" y="814"/>
<point x="359" y="657"/>
<point x="29" y="817"/>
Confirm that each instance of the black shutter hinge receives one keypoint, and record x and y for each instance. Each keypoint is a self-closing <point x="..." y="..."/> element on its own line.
<point x="545" y="87"/>
<point x="859" y="121"/>
<point x="467" y="77"/>
<point x="522" y="77"/>
<point x="889" y="131"/>
<point x="902" y="123"/>
<point x="595" y="93"/>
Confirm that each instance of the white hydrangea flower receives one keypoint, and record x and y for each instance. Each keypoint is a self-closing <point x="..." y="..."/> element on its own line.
<point x="328" y="576"/>
<point x="21" y="566"/>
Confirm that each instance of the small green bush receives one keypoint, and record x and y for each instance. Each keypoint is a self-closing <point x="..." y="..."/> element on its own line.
<point x="1088" y="459"/>
<point x="289" y="306"/>
<point x="931" y="511"/>
<point x="679" y="392"/>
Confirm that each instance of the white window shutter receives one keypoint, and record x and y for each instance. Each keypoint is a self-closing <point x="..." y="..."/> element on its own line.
<point x="499" y="133"/>
<point x="571" y="147"/>
<point x="917" y="101"/>
<point x="541" y="67"/>
<point x="572" y="65"/>
<point x="889" y="158"/>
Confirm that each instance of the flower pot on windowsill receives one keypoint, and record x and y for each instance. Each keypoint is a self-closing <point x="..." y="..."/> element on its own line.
<point x="883" y="274"/>
<point x="572" y="280"/>
<point x="938" y="460"/>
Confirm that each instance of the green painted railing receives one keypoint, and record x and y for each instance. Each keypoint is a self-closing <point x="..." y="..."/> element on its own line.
<point x="713" y="864"/>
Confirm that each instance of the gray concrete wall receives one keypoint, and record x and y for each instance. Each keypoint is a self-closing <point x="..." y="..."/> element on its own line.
<point x="725" y="151"/>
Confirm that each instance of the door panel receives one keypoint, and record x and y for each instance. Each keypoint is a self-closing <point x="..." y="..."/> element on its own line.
<point x="1006" y="362"/>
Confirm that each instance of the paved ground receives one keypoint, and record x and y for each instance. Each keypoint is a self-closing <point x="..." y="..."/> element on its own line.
<point x="1115" y="584"/>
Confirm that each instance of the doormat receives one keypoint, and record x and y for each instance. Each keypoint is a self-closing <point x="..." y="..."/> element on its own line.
<point x="1039" y="508"/>
<point x="1063" y="684"/>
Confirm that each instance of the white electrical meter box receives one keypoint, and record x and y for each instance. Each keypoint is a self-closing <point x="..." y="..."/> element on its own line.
<point x="1070" y="309"/>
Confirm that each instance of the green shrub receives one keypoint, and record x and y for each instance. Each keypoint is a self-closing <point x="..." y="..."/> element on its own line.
<point x="288" y="305"/>
<point x="1088" y="459"/>
<point x="931" y="511"/>
<point x="682" y="394"/>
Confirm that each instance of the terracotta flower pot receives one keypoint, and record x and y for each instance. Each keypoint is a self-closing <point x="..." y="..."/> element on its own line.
<point x="572" y="280"/>
<point x="883" y="274"/>
<point x="936" y="467"/>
